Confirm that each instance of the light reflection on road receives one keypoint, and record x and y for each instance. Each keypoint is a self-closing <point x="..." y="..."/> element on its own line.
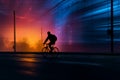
<point x="27" y="63"/>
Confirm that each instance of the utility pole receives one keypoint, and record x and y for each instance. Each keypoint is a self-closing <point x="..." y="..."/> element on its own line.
<point x="14" y="31"/>
<point x="112" y="25"/>
<point x="41" y="33"/>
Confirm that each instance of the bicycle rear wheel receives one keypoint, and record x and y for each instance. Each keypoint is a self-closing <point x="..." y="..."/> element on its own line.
<point x="45" y="49"/>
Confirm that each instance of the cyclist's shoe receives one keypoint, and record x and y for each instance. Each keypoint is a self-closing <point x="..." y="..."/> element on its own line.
<point x="51" y="50"/>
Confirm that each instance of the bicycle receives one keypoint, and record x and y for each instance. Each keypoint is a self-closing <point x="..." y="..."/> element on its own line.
<point x="46" y="50"/>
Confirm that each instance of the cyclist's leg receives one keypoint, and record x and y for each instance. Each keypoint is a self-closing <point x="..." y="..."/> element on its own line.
<point x="53" y="43"/>
<point x="50" y="46"/>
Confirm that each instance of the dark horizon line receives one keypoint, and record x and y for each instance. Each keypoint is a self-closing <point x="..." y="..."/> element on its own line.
<point x="66" y="53"/>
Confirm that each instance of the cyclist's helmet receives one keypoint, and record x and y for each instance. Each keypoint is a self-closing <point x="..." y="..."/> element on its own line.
<point x="48" y="32"/>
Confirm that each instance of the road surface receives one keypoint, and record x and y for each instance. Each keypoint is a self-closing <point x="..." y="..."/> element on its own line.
<point x="30" y="66"/>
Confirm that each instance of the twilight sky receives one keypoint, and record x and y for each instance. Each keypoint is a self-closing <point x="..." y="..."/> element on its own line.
<point x="34" y="18"/>
<point x="77" y="23"/>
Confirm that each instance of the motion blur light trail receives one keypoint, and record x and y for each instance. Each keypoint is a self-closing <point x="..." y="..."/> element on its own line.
<point x="77" y="23"/>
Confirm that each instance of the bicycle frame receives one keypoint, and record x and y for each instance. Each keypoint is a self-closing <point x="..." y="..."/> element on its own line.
<point x="47" y="49"/>
<point x="47" y="46"/>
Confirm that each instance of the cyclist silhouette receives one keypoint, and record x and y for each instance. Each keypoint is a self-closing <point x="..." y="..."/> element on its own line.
<point x="52" y="38"/>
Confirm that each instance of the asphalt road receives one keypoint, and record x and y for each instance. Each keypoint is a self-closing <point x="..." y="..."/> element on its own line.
<point x="32" y="66"/>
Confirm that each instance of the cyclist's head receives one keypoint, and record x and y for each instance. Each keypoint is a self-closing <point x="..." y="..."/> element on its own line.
<point x="48" y="32"/>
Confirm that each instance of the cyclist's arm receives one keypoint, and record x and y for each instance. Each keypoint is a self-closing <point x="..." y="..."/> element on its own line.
<point x="46" y="40"/>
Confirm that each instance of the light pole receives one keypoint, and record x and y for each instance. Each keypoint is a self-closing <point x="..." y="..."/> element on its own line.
<point x="14" y="31"/>
<point x="112" y="30"/>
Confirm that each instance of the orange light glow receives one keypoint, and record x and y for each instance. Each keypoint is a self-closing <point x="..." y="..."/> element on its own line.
<point x="31" y="24"/>
<point x="32" y="36"/>
<point x="28" y="61"/>
<point x="27" y="33"/>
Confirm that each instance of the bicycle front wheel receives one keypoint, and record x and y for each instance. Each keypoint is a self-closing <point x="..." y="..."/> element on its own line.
<point x="55" y="49"/>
